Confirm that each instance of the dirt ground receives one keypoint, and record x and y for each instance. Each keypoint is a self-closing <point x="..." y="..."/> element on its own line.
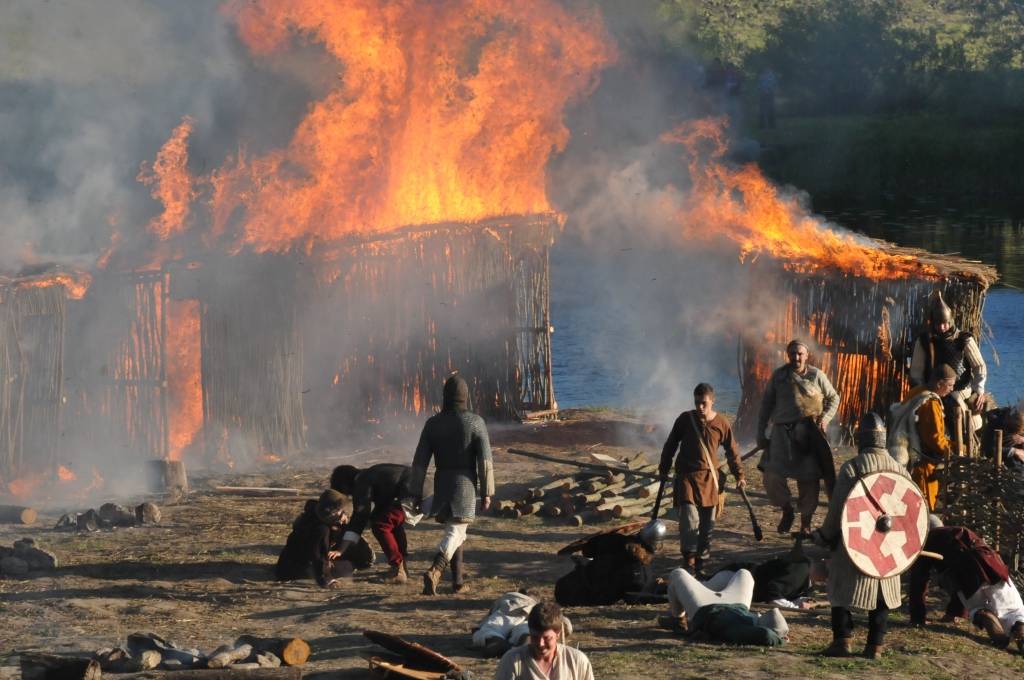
<point x="203" y="576"/>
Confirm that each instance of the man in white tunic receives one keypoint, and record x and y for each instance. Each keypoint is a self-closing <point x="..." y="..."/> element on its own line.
<point x="544" y="657"/>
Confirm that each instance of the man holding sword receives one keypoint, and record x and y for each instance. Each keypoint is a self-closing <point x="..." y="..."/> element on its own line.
<point x="693" y="442"/>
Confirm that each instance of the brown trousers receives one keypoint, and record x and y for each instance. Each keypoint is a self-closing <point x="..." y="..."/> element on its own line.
<point x="777" y="488"/>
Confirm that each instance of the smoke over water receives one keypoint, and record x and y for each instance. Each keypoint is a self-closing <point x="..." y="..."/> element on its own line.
<point x="207" y="140"/>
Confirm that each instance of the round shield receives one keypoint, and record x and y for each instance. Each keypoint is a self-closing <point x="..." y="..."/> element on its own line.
<point x="872" y="550"/>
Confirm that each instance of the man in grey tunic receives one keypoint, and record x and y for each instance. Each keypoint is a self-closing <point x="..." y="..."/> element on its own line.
<point x="457" y="441"/>
<point x="798" y="400"/>
<point x="848" y="587"/>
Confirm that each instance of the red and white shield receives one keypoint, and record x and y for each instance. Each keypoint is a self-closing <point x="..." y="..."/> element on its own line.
<point x="883" y="554"/>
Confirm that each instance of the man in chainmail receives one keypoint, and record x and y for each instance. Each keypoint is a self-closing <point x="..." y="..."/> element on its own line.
<point x="457" y="441"/>
<point x="941" y="342"/>
<point x="799" y="402"/>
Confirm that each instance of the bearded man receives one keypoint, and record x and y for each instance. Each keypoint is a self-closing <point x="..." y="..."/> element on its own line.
<point x="799" y="402"/>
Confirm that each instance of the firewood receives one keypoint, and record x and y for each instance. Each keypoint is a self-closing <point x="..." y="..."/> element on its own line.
<point x="582" y="500"/>
<point x="167" y="476"/>
<point x="634" y="511"/>
<point x="226" y="655"/>
<point x="291" y="651"/>
<point x="585" y="517"/>
<point x="139" y="643"/>
<point x="17" y="514"/>
<point x="38" y="666"/>
<point x="256" y="491"/>
<point x="629" y="503"/>
<point x="599" y="485"/>
<point x="527" y="509"/>
<point x="608" y="503"/>
<point x="229" y="673"/>
<point x="649" y="491"/>
<point x="563" y="484"/>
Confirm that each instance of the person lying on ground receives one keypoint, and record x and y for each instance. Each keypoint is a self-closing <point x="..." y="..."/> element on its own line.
<point x="377" y="494"/>
<point x="783" y="581"/>
<point x="311" y="550"/>
<point x="719" y="610"/>
<point x="609" y="566"/>
<point x="544" y="657"/>
<point x="977" y="581"/>
<point x="505" y="625"/>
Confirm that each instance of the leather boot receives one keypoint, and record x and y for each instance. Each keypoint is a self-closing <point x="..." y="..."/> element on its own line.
<point x="690" y="564"/>
<point x="432" y="576"/>
<point x="839" y="647"/>
<point x="786" y="521"/>
<point x="698" y="569"/>
<point x="873" y="652"/>
<point x="989" y="623"/>
<point x="458" y="565"/>
<point x="397" y="575"/>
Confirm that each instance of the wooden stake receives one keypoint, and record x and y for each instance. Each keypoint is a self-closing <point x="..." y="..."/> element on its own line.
<point x="167" y="476"/>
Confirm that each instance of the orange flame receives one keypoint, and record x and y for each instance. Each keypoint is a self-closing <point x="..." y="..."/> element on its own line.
<point x="171" y="183"/>
<point x="76" y="284"/>
<point x="65" y="474"/>
<point x="445" y="111"/>
<point x="184" y="381"/>
<point x="740" y="204"/>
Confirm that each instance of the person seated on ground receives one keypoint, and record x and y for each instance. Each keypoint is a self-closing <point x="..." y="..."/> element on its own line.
<point x="848" y="587"/>
<point x="505" y="626"/>
<point x="1010" y="421"/>
<point x="783" y="581"/>
<point x="719" y="609"/>
<point x="543" y="657"/>
<point x="377" y="494"/>
<point x="612" y="565"/>
<point x="312" y="547"/>
<point x="977" y="580"/>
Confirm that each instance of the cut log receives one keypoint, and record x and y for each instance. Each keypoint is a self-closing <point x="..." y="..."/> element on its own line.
<point x="635" y="511"/>
<point x="291" y="651"/>
<point x="527" y="509"/>
<point x="37" y="666"/>
<point x="224" y="656"/>
<point x="256" y="491"/>
<point x="649" y="491"/>
<point x="563" y="484"/>
<point x="229" y="673"/>
<point x="167" y="476"/>
<point x="601" y="485"/>
<point x="17" y="514"/>
<point x="586" y="517"/>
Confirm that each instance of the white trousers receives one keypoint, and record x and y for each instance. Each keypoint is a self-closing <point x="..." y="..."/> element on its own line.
<point x="1002" y="599"/>
<point x="686" y="594"/>
<point x="454" y="536"/>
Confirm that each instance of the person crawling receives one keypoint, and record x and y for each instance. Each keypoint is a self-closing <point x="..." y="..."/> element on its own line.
<point x="609" y="566"/>
<point x="311" y="550"/>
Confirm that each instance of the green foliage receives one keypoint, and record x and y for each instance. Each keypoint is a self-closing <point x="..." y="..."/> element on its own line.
<point x="840" y="56"/>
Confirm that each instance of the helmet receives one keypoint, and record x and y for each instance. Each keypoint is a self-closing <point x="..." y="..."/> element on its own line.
<point x="938" y="311"/>
<point x="652" y="534"/>
<point x="330" y="506"/>
<point x="870" y="432"/>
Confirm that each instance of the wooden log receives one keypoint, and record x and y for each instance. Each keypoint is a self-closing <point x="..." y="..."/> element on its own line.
<point x="504" y="508"/>
<point x="38" y="666"/>
<point x="628" y="503"/>
<point x="291" y="651"/>
<point x="582" y="500"/>
<point x="634" y="511"/>
<point x="167" y="476"/>
<point x="17" y="514"/>
<point x="256" y="491"/>
<point x="599" y="485"/>
<point x="586" y="517"/>
<point x="608" y="502"/>
<point x="649" y="491"/>
<point x="563" y="484"/>
<point x="226" y="655"/>
<point x="527" y="509"/>
<point x="229" y="673"/>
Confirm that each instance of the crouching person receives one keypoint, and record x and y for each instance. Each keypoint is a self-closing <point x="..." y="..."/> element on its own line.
<point x="544" y="657"/>
<point x="312" y="547"/>
<point x="719" y="609"/>
<point x="849" y="587"/>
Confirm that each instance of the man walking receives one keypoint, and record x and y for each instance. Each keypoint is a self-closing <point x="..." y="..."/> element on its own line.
<point x="799" y="402"/>
<point x="693" y="442"/>
<point x="457" y="440"/>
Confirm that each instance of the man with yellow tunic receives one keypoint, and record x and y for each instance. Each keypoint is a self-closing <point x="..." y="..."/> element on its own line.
<point x="917" y="434"/>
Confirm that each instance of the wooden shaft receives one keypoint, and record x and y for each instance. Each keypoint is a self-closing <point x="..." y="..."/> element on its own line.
<point x="580" y="464"/>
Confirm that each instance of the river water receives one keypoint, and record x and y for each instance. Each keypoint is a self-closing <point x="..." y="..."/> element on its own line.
<point x="584" y="376"/>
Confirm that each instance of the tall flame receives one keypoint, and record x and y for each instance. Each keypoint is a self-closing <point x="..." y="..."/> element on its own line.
<point x="444" y="111"/>
<point x="171" y="183"/>
<point x="184" y="381"/>
<point x="742" y="205"/>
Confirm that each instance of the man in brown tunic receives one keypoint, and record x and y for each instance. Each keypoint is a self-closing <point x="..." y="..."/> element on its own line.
<point x="696" y="436"/>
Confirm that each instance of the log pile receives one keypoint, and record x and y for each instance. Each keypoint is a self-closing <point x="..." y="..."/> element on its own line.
<point x="25" y="557"/>
<point x="149" y="656"/>
<point x="590" y="496"/>
<point x="110" y="516"/>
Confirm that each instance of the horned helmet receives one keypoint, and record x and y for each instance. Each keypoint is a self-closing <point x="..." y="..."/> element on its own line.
<point x="938" y="311"/>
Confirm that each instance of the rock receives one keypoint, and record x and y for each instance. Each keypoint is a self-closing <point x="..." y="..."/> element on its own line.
<point x="13" y="566"/>
<point x="116" y="515"/>
<point x="148" y="513"/>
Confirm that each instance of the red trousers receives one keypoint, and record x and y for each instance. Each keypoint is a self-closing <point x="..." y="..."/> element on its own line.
<point x="389" y="529"/>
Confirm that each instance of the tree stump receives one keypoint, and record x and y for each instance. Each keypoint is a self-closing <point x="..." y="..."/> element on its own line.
<point x="167" y="476"/>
